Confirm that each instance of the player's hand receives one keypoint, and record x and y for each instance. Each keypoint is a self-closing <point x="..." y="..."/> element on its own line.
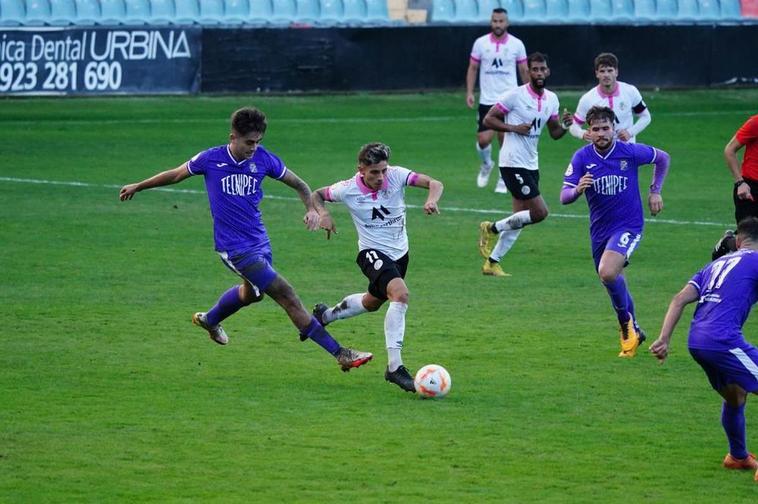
<point x="743" y="192"/>
<point x="660" y="349"/>
<point x="623" y="135"/>
<point x="470" y="100"/>
<point x="326" y="223"/>
<point x="586" y="136"/>
<point x="584" y="183"/>
<point x="127" y="192"/>
<point x="311" y="220"/>
<point x="655" y="202"/>
<point x="430" y="207"/>
<point x="567" y="119"/>
<point x="521" y="129"/>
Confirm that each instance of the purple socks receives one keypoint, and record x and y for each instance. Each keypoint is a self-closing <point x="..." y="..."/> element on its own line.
<point x="227" y="305"/>
<point x="733" y="421"/>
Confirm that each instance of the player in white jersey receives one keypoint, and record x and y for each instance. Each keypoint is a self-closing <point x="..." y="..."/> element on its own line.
<point x="521" y="114"/>
<point x="495" y="58"/>
<point x="624" y="99"/>
<point x="375" y="197"/>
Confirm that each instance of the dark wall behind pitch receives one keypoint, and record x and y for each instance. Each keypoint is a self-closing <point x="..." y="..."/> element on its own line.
<point x="392" y="58"/>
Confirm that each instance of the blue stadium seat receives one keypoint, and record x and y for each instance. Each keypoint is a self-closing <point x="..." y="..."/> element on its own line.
<point x="376" y="12"/>
<point x="187" y="11"/>
<point x="667" y="9"/>
<point x="515" y="9"/>
<point x="466" y="11"/>
<point x="137" y="11"/>
<point x="12" y="12"/>
<point x="485" y="9"/>
<point x="236" y="11"/>
<point x="443" y="11"/>
<point x="308" y="11"/>
<point x="579" y="10"/>
<point x="332" y="12"/>
<point x="260" y="12"/>
<point x="62" y="12"/>
<point x="284" y="12"/>
<point x="354" y="11"/>
<point x="112" y="12"/>
<point x="87" y="12"/>
<point x="601" y="10"/>
<point x="556" y="10"/>
<point x="211" y="12"/>
<point x="37" y="12"/>
<point x="730" y="9"/>
<point x="534" y="10"/>
<point x="162" y="11"/>
<point x="709" y="9"/>
<point x="622" y="10"/>
<point x="688" y="10"/>
<point x="644" y="9"/>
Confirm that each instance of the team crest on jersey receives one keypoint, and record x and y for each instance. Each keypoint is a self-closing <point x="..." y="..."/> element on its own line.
<point x="623" y="165"/>
<point x="253" y="168"/>
<point x="569" y="170"/>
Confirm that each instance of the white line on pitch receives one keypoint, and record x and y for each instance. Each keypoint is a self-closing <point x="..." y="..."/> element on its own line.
<point x="288" y="198"/>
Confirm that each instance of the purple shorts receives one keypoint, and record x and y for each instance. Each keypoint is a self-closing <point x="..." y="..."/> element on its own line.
<point x="725" y="367"/>
<point x="252" y="265"/>
<point x="623" y="241"/>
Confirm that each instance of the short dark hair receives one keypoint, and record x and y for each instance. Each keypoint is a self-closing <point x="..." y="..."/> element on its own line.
<point x="248" y="120"/>
<point x="606" y="59"/>
<point x="748" y="228"/>
<point x="499" y="10"/>
<point x="536" y="56"/>
<point x="600" y="114"/>
<point x="373" y="153"/>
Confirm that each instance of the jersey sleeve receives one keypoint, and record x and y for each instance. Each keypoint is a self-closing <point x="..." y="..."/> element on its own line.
<point x="555" y="106"/>
<point x="507" y="102"/>
<point x="574" y="171"/>
<point x="336" y="191"/>
<point x="476" y="52"/>
<point x="643" y="154"/>
<point x="520" y="53"/>
<point x="197" y="165"/>
<point x="402" y="176"/>
<point x="638" y="104"/>
<point x="580" y="115"/>
<point x="275" y="167"/>
<point x="697" y="279"/>
<point x="748" y="132"/>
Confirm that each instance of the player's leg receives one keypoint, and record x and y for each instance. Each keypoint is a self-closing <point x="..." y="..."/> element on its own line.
<point x="484" y="138"/>
<point x="500" y="187"/>
<point x="733" y="422"/>
<point x="745" y="207"/>
<point x="350" y="306"/>
<point x="309" y="327"/>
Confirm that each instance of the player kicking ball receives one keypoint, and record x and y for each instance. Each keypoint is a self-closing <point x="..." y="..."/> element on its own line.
<point x="375" y="197"/>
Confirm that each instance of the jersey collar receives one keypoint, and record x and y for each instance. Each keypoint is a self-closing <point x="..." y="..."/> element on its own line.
<point x="233" y="160"/>
<point x="616" y="91"/>
<point x="498" y="42"/>
<point x="536" y="96"/>
<point x="607" y="154"/>
<point x="366" y="189"/>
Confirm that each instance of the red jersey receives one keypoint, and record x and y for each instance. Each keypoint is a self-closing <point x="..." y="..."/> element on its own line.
<point x="747" y="135"/>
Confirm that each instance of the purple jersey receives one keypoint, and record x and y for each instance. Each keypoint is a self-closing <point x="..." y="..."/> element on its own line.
<point x="614" y="197"/>
<point x="728" y="289"/>
<point x="234" y="191"/>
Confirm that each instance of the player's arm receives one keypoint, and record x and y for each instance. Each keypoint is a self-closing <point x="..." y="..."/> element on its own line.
<point x="578" y="120"/>
<point x="523" y="71"/>
<point x="318" y="198"/>
<point x="558" y="126"/>
<point x="291" y="179"/>
<point x="660" y="347"/>
<point x="471" y="73"/>
<point x="495" y="119"/>
<point x="435" y="192"/>
<point x="660" y="170"/>
<point x="163" y="178"/>
<point x="644" y="118"/>
<point x="730" y="155"/>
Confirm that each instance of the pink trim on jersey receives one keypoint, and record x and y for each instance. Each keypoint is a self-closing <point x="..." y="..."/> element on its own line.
<point x="616" y="91"/>
<point x="412" y="179"/>
<point x="554" y="116"/>
<point x="578" y="120"/>
<point x="534" y="95"/>
<point x="498" y="42"/>
<point x="521" y="60"/>
<point x="366" y="189"/>
<point x="329" y="194"/>
<point x="474" y="59"/>
<point x="502" y="108"/>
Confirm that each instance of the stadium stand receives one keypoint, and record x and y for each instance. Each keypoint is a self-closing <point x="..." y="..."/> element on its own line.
<point x="137" y="12"/>
<point x="514" y="8"/>
<point x="556" y="10"/>
<point x="37" y="12"/>
<point x="260" y="12"/>
<point x="87" y="12"/>
<point x="236" y="11"/>
<point x="211" y="12"/>
<point x="162" y="11"/>
<point x="354" y="11"/>
<point x="687" y="10"/>
<point x="443" y="11"/>
<point x="62" y="12"/>
<point x="534" y="10"/>
<point x="622" y="10"/>
<point x="308" y="11"/>
<point x="466" y="11"/>
<point x="12" y="12"/>
<point x="331" y="11"/>
<point x="644" y="9"/>
<point x="187" y="11"/>
<point x="578" y="10"/>
<point x="112" y="12"/>
<point x="730" y="9"/>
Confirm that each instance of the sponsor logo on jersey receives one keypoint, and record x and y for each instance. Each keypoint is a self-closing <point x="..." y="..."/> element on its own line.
<point x="623" y="165"/>
<point x="379" y="213"/>
<point x="220" y="165"/>
<point x="569" y="170"/>
<point x="253" y="168"/>
<point x="589" y="166"/>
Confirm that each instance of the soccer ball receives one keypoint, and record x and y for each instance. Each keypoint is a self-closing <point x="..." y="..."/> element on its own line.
<point x="432" y="380"/>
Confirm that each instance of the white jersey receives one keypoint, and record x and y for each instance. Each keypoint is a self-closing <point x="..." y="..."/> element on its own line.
<point x="523" y="105"/>
<point x="625" y="101"/>
<point x="498" y="65"/>
<point x="379" y="216"/>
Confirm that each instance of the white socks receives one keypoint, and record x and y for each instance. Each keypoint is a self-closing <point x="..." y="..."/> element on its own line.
<point x="394" y="332"/>
<point x="509" y="229"/>
<point x="351" y="306"/>
<point x="485" y="154"/>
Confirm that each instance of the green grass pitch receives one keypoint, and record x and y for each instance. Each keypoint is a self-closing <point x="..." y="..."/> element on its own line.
<point x="108" y="393"/>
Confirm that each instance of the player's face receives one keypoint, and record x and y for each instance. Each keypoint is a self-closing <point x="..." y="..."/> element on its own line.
<point x="373" y="175"/>
<point x="606" y="76"/>
<point x="538" y="72"/>
<point x="499" y="23"/>
<point x="601" y="133"/>
<point x="243" y="146"/>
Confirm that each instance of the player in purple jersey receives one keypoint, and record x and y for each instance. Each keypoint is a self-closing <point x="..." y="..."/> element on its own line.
<point x="234" y="175"/>
<point x="606" y="172"/>
<point x="725" y="292"/>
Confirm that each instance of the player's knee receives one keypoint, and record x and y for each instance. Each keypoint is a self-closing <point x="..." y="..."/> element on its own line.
<point x="399" y="297"/>
<point x="248" y="295"/>
<point x="607" y="275"/>
<point x="538" y="214"/>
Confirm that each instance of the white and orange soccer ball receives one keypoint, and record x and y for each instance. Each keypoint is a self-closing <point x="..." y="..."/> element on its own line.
<point x="432" y="380"/>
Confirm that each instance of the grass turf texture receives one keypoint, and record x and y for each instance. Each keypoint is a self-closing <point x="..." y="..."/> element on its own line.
<point x="109" y="393"/>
